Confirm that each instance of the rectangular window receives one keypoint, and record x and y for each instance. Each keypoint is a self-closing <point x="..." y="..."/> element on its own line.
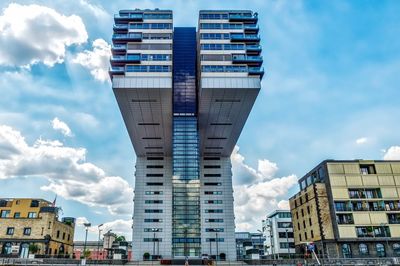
<point x="10" y="231"/>
<point x="17" y="215"/>
<point x="211" y="158"/>
<point x="214" y="220"/>
<point x="344" y="218"/>
<point x="286" y="245"/>
<point x="213" y="201"/>
<point x="214" y="211"/>
<point x="213" y="192"/>
<point x="284" y="215"/>
<point x="5" y="213"/>
<point x="152" y="239"/>
<point x="285" y="225"/>
<point x="153" y="211"/>
<point x="212" y="166"/>
<point x="34" y="203"/>
<point x="153" y="220"/>
<point x="212" y="183"/>
<point x="154" y="184"/>
<point x="154" y="166"/>
<point x="27" y="231"/>
<point x="214" y="239"/>
<point x="212" y="175"/>
<point x="32" y="214"/>
<point x="58" y="234"/>
<point x="155" y="158"/>
<point x="367" y="169"/>
<point x="153" y="202"/>
<point x="148" y="68"/>
<point x="154" y="175"/>
<point x="283" y="234"/>
<point x="63" y="236"/>
<point x="153" y="192"/>
<point x="160" y="26"/>
<point x="153" y="229"/>
<point x="214" y="229"/>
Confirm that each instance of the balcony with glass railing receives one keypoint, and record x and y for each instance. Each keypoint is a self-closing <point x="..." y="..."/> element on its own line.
<point x="254" y="48"/>
<point x="123" y="59"/>
<point x="120" y="28"/>
<point x="256" y="71"/>
<point x="124" y="17"/>
<point x="116" y="70"/>
<point x="247" y="59"/>
<point x="130" y="37"/>
<point x="251" y="27"/>
<point x="243" y="17"/>
<point x="244" y="37"/>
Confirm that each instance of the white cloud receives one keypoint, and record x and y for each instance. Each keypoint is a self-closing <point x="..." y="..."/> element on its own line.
<point x="97" y="60"/>
<point x="118" y="226"/>
<point x="361" y="140"/>
<point x="393" y="153"/>
<point x="69" y="175"/>
<point x="81" y="220"/>
<point x="245" y="174"/>
<point x="61" y="126"/>
<point x="257" y="192"/>
<point x="32" y="33"/>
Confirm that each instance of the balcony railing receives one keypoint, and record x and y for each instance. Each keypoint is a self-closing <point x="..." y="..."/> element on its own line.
<point x="245" y="37"/>
<point x="119" y="47"/>
<point x="117" y="70"/>
<point x="129" y="17"/>
<point x="256" y="71"/>
<point x="251" y="27"/>
<point x="132" y="58"/>
<point x="253" y="48"/>
<point x="243" y="17"/>
<point x="247" y="59"/>
<point x="127" y="37"/>
<point x="120" y="26"/>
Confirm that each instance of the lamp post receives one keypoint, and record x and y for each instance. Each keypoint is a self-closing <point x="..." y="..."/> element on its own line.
<point x="216" y="244"/>
<point x="87" y="225"/>
<point x="154" y="241"/>
<point x="287" y="241"/>
<point x="98" y="243"/>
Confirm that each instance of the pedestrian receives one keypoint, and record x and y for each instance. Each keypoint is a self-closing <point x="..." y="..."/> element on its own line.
<point x="186" y="261"/>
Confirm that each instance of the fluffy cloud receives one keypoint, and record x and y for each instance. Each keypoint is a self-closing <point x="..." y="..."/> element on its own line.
<point x="61" y="126"/>
<point x="32" y="33"/>
<point x="96" y="60"/>
<point x="69" y="175"/>
<point x="262" y="193"/>
<point x="245" y="174"/>
<point x="361" y="140"/>
<point x="119" y="226"/>
<point x="393" y="153"/>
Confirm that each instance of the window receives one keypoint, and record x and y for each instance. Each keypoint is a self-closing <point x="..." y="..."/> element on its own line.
<point x="284" y="215"/>
<point x="367" y="169"/>
<point x="309" y="221"/>
<point x="148" y="68"/>
<point x="32" y="214"/>
<point x="27" y="231"/>
<point x="214" y="16"/>
<point x="214" y="239"/>
<point x="344" y="218"/>
<point x="308" y="209"/>
<point x="214" y="36"/>
<point x="213" y="192"/>
<point x="156" y="36"/>
<point x="212" y="166"/>
<point x="286" y="245"/>
<point x="212" y="183"/>
<point x="152" y="239"/>
<point x="283" y="234"/>
<point x="298" y="226"/>
<point x="214" y="229"/>
<point x="297" y="215"/>
<point x="63" y="236"/>
<point x="154" y="175"/>
<point x="346" y="250"/>
<point x="58" y="234"/>
<point x="10" y="231"/>
<point x="153" y="201"/>
<point x="220" y="46"/>
<point x="373" y="231"/>
<point x="152" y="229"/>
<point x="34" y="203"/>
<point x="363" y="249"/>
<point x="155" y="158"/>
<point x="215" y="26"/>
<point x="214" y="220"/>
<point x="213" y="201"/>
<point x="17" y="215"/>
<point x="302" y="213"/>
<point x="154" y="183"/>
<point x="396" y="248"/>
<point x="5" y="213"/>
<point x="151" y="220"/>
<point x="153" y="192"/>
<point x="305" y="236"/>
<point x="304" y="224"/>
<point x="154" y="166"/>
<point x="153" y="211"/>
<point x="212" y="175"/>
<point x="300" y="237"/>
<point x="285" y="225"/>
<point x="380" y="250"/>
<point x="150" y="26"/>
<point x="215" y="68"/>
<point x="214" y="211"/>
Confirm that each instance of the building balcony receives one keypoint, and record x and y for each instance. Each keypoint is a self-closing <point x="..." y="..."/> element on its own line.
<point x="123" y="38"/>
<point x="120" y="28"/>
<point x="253" y="49"/>
<point x="245" y="38"/>
<point x="126" y="17"/>
<point x="256" y="71"/>
<point x="116" y="70"/>
<point x="118" y="49"/>
<point x="251" y="28"/>
<point x="247" y="59"/>
<point x="243" y="17"/>
<point x="123" y="59"/>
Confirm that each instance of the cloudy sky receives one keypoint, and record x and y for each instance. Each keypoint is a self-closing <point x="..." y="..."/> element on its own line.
<point x="331" y="90"/>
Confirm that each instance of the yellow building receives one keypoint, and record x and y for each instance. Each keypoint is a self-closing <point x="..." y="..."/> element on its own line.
<point x="351" y="208"/>
<point x="25" y="222"/>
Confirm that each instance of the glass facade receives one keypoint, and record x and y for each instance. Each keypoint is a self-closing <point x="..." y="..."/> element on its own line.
<point x="186" y="229"/>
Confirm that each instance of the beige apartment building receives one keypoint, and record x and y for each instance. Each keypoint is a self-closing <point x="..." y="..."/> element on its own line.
<point x="25" y="222"/>
<point x="349" y="209"/>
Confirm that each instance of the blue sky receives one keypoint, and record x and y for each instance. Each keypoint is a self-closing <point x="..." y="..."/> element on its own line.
<point x="331" y="90"/>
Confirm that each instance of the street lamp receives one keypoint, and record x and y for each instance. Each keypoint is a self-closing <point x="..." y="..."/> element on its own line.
<point x="154" y="242"/>
<point x="287" y="241"/>
<point x="98" y="243"/>
<point x="87" y="225"/>
<point x="216" y="244"/>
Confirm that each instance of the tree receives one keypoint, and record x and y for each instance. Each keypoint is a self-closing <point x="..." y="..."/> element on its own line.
<point x="87" y="253"/>
<point x="146" y="256"/>
<point x="120" y="238"/>
<point x="33" y="248"/>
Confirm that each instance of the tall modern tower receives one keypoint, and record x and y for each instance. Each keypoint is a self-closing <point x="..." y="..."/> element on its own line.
<point x="185" y="96"/>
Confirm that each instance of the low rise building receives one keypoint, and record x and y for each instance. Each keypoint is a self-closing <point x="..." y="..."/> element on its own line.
<point x="249" y="246"/>
<point x="278" y="232"/>
<point x="101" y="250"/>
<point x="349" y="209"/>
<point x="34" y="223"/>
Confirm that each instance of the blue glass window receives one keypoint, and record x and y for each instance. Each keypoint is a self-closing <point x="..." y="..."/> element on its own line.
<point x="161" y="26"/>
<point x="146" y="68"/>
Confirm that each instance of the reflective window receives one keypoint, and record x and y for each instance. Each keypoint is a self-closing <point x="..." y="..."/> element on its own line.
<point x="380" y="250"/>
<point x="346" y="250"/>
<point x="363" y="249"/>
